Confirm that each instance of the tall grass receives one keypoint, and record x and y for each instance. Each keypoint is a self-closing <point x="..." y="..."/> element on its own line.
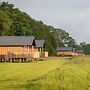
<point x="54" y="74"/>
<point x="70" y="76"/>
<point x="17" y="75"/>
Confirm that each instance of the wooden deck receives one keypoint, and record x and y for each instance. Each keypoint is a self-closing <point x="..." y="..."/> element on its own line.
<point x="11" y="57"/>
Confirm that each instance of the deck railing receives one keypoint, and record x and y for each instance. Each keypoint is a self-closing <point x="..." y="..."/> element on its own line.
<point x="8" y="56"/>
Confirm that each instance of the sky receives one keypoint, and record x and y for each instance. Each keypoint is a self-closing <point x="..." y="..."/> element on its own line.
<point x="72" y="16"/>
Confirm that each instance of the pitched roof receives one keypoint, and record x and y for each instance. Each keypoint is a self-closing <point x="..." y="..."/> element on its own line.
<point x="65" y="49"/>
<point x="40" y="43"/>
<point x="16" y="40"/>
<point x="79" y="51"/>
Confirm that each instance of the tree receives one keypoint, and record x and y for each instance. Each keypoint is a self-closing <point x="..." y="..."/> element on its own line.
<point x="65" y="38"/>
<point x="87" y="49"/>
<point x="83" y="44"/>
<point x="5" y="24"/>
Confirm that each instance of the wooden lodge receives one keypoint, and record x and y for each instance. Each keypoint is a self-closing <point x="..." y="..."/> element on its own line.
<point x="65" y="51"/>
<point x="21" y="47"/>
<point x="68" y="51"/>
<point x="80" y="52"/>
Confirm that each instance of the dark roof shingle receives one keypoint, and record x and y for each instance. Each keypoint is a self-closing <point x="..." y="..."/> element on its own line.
<point x="65" y="49"/>
<point x="40" y="43"/>
<point x="79" y="51"/>
<point x="16" y="40"/>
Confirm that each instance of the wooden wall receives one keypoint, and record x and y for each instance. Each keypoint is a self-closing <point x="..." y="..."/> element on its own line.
<point x="65" y="53"/>
<point x="7" y="52"/>
<point x="11" y="49"/>
<point x="18" y="50"/>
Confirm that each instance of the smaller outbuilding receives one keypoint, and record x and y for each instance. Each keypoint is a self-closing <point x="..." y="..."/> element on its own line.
<point x="68" y="51"/>
<point x="79" y="52"/>
<point x="65" y="51"/>
<point x="40" y="45"/>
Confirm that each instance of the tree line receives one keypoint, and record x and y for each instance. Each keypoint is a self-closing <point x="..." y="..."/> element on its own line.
<point x="14" y="22"/>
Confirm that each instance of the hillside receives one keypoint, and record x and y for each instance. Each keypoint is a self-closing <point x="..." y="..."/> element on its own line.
<point x="17" y="23"/>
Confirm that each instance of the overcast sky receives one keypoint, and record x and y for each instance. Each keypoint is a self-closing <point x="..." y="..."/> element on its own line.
<point x="71" y="15"/>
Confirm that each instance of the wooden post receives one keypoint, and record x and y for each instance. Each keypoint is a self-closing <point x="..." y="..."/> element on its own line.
<point x="40" y="49"/>
<point x="10" y="60"/>
<point x="23" y="60"/>
<point x="28" y="53"/>
<point x="13" y="60"/>
<point x="1" y="60"/>
<point x="28" y="49"/>
<point x="32" y="51"/>
<point x="20" y="60"/>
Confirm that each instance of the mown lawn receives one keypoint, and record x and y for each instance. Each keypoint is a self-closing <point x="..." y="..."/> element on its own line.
<point x="52" y="74"/>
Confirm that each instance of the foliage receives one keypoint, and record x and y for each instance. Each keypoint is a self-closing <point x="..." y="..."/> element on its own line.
<point x="87" y="49"/>
<point x="15" y="22"/>
<point x="5" y="24"/>
<point x="83" y="44"/>
<point x="65" y="38"/>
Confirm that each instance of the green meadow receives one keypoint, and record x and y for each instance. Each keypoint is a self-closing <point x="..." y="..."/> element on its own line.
<point x="53" y="73"/>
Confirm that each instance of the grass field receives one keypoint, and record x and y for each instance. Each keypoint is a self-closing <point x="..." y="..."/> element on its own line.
<point x="52" y="74"/>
